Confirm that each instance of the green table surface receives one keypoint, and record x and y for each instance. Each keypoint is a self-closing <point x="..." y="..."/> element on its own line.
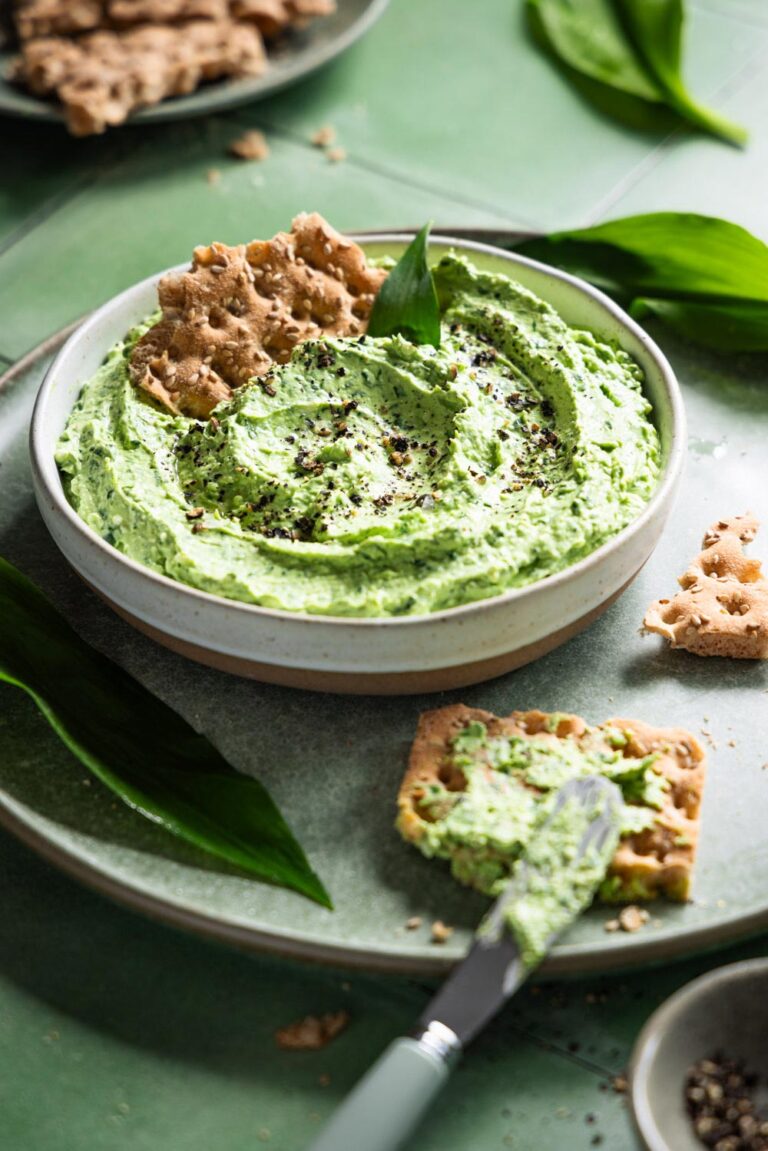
<point x="117" y="1033"/>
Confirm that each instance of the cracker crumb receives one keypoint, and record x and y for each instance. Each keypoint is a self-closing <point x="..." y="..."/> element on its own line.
<point x="441" y="932"/>
<point x="336" y="155"/>
<point x="324" y="136"/>
<point x="632" y="918"/>
<point x="252" y="145"/>
<point x="312" y="1032"/>
<point x="213" y="175"/>
<point x="413" y="923"/>
<point x="620" y="1084"/>
<point x="611" y="925"/>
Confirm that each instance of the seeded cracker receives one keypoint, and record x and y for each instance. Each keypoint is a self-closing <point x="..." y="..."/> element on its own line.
<point x="71" y="17"/>
<point x="57" y="17"/>
<point x="272" y="17"/>
<point x="239" y="310"/>
<point x="658" y="860"/>
<point x="723" y="607"/>
<point x="103" y="77"/>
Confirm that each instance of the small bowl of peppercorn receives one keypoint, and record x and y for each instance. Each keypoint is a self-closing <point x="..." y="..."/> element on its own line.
<point x="699" y="1073"/>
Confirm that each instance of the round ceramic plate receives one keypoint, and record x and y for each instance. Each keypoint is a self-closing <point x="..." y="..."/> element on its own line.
<point x="334" y="763"/>
<point x="293" y="58"/>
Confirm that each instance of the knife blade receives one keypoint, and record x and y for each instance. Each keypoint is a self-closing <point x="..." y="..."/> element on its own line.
<point x="554" y="880"/>
<point x="496" y="965"/>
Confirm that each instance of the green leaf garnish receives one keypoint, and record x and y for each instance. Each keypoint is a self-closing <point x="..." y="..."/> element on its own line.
<point x="139" y="747"/>
<point x="407" y="302"/>
<point x="625" y="56"/>
<point x="704" y="277"/>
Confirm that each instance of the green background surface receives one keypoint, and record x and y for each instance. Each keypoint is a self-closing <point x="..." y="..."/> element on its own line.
<point x="116" y="1033"/>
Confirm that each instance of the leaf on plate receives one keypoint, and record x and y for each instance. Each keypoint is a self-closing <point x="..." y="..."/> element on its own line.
<point x="407" y="301"/>
<point x="705" y="277"/>
<point x="139" y="747"/>
<point x="625" y="57"/>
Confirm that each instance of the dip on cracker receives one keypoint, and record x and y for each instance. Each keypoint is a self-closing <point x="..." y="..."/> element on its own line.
<point x="478" y="786"/>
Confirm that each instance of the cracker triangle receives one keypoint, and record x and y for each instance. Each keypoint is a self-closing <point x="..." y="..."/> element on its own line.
<point x="722" y="608"/>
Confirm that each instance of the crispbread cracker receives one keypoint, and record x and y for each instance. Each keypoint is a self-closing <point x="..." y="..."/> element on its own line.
<point x="57" y="17"/>
<point x="723" y="607"/>
<point x="656" y="861"/>
<point x="102" y="77"/>
<point x="125" y="12"/>
<point x="239" y="310"/>
<point x="35" y="18"/>
<point x="71" y="17"/>
<point x="272" y="17"/>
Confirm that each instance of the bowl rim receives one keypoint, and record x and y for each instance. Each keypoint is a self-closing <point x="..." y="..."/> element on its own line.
<point x="646" y="1047"/>
<point x="46" y="472"/>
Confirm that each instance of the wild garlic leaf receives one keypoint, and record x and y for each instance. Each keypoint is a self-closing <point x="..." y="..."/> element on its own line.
<point x="589" y="36"/>
<point x="407" y="301"/>
<point x="655" y="28"/>
<point x="139" y="747"/>
<point x="680" y="255"/>
<point x="738" y="327"/>
<point x="625" y="57"/>
<point x="705" y="277"/>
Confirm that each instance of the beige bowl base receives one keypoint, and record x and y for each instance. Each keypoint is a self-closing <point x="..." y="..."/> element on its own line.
<point x="373" y="683"/>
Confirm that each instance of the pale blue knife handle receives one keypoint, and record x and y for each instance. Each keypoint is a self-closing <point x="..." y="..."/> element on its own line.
<point x="387" y="1104"/>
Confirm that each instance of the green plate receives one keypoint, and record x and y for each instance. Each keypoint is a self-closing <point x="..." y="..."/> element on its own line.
<point x="334" y="763"/>
<point x="295" y="57"/>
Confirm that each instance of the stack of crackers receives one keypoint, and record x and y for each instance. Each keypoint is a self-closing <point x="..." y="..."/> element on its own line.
<point x="104" y="59"/>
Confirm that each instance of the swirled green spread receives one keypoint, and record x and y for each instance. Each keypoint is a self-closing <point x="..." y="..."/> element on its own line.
<point x="374" y="477"/>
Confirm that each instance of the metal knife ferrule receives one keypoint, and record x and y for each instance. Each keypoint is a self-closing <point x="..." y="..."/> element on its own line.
<point x="439" y="1040"/>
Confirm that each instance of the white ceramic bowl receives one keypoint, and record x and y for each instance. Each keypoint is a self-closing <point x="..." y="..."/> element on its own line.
<point x="433" y="652"/>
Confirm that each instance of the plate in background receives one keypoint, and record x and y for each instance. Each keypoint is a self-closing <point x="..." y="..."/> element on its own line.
<point x="299" y="54"/>
<point x="333" y="764"/>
